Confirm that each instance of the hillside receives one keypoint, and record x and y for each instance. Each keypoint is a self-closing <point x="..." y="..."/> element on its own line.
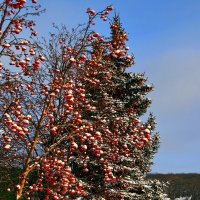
<point x="180" y="184"/>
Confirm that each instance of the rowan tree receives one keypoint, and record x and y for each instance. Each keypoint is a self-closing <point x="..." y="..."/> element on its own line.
<point x="70" y="115"/>
<point x="18" y="59"/>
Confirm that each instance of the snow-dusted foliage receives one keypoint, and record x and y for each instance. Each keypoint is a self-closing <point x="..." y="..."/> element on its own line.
<point x="184" y="198"/>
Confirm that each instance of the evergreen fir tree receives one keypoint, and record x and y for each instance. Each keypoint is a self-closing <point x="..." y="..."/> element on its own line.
<point x="131" y="144"/>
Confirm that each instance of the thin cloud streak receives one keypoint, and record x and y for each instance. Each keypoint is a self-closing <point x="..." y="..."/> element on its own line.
<point x="176" y="78"/>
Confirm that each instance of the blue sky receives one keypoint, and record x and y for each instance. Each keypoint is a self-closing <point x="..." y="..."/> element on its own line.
<point x="164" y="36"/>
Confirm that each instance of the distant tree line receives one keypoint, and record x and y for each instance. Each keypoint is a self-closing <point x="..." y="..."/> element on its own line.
<point x="180" y="184"/>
